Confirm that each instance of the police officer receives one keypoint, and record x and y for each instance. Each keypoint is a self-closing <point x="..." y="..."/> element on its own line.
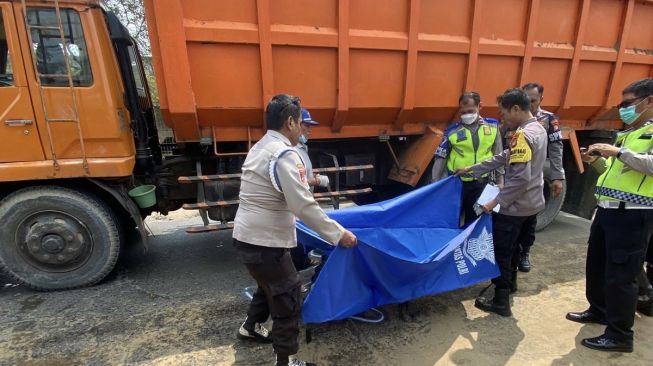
<point x="521" y="197"/>
<point x="274" y="190"/>
<point x="555" y="148"/>
<point x="302" y="147"/>
<point x="623" y="224"/>
<point x="471" y="140"/>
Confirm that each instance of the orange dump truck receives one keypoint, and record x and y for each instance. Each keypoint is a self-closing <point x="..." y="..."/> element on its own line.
<point x="80" y="158"/>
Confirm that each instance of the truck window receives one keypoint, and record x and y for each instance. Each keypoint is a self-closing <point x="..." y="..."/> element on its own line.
<point x="139" y="78"/>
<point x="50" y="52"/>
<point x="6" y="72"/>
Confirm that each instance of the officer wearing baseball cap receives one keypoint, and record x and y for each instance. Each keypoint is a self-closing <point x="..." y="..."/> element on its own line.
<point x="273" y="193"/>
<point x="307" y="126"/>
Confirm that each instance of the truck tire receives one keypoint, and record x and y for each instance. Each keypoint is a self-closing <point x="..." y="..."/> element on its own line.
<point x="553" y="205"/>
<point x="55" y="238"/>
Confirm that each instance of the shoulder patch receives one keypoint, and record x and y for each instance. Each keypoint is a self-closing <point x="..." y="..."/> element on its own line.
<point x="520" y="151"/>
<point x="452" y="127"/>
<point x="492" y="121"/>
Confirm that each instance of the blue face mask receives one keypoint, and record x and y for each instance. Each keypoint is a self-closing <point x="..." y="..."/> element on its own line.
<point x="629" y="115"/>
<point x="303" y="139"/>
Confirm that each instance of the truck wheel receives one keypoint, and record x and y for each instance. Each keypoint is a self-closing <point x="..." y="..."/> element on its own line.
<point x="55" y="238"/>
<point x="553" y="205"/>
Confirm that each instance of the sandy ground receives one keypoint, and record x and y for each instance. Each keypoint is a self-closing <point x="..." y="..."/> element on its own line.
<point x="180" y="304"/>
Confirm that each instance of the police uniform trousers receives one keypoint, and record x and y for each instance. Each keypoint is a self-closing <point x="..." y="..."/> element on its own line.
<point x="645" y="276"/>
<point x="617" y="246"/>
<point x="527" y="237"/>
<point x="278" y="294"/>
<point x="505" y="232"/>
<point x="471" y="192"/>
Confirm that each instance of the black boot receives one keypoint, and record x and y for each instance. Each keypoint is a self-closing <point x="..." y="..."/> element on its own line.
<point x="513" y="282"/>
<point x="645" y="303"/>
<point x="524" y="263"/>
<point x="500" y="304"/>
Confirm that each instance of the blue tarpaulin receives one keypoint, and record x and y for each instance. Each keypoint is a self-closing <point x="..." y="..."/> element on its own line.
<point x="408" y="247"/>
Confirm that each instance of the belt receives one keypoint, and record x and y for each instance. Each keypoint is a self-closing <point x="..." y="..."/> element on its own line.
<point x="621" y="205"/>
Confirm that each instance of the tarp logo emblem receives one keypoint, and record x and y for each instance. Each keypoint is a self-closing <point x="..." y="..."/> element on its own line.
<point x="477" y="249"/>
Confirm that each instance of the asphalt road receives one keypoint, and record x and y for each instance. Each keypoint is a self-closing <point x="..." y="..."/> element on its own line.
<point x="180" y="304"/>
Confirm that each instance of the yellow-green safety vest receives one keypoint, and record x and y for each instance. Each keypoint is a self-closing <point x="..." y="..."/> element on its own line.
<point x="463" y="154"/>
<point x="621" y="183"/>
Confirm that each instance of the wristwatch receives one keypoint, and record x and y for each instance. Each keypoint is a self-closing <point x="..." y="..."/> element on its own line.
<point x="621" y="151"/>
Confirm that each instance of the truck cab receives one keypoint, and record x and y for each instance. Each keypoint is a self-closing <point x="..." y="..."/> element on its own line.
<point x="74" y="117"/>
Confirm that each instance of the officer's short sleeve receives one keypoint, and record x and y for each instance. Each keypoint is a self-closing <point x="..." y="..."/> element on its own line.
<point x="443" y="149"/>
<point x="294" y="185"/>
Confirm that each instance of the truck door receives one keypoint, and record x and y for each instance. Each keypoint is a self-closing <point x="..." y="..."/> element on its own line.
<point x="19" y="137"/>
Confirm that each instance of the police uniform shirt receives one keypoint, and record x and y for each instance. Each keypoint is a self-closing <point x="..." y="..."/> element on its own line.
<point x="439" y="170"/>
<point x="640" y="162"/>
<point x="554" y="147"/>
<point x="265" y="216"/>
<point x="522" y="193"/>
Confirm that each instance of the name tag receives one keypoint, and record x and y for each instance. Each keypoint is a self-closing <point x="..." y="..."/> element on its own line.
<point x="487" y="130"/>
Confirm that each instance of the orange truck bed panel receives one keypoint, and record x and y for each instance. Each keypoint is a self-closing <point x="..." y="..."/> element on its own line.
<point x="371" y="67"/>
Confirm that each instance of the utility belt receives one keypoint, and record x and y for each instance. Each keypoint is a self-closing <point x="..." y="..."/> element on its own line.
<point x="621" y="205"/>
<point x="482" y="180"/>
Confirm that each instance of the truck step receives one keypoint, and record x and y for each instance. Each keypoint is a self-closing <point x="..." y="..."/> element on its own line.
<point x="343" y="168"/>
<point x="348" y="192"/>
<point x="208" y="204"/>
<point x="214" y="177"/>
<point x="207" y="178"/>
<point x="209" y="228"/>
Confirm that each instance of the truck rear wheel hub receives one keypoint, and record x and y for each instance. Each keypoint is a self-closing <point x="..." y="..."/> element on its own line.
<point x="54" y="241"/>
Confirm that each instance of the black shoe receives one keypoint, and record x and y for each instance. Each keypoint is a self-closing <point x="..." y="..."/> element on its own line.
<point x="645" y="307"/>
<point x="585" y="317"/>
<point x="513" y="282"/>
<point x="500" y="304"/>
<point x="604" y="343"/>
<point x="524" y="263"/>
<point x="258" y="334"/>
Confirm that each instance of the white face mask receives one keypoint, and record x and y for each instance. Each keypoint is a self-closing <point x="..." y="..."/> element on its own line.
<point x="469" y="118"/>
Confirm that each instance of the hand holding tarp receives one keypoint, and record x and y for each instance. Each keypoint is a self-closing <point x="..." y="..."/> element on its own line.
<point x="462" y="171"/>
<point x="348" y="240"/>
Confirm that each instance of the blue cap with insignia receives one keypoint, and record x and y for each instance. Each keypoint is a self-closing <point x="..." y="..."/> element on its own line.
<point x="306" y="118"/>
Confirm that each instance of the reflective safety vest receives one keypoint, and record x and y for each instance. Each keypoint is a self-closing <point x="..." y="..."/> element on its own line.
<point x="463" y="153"/>
<point x="619" y="182"/>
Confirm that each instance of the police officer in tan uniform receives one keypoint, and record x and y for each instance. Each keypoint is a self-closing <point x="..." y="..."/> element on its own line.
<point x="274" y="192"/>
<point x="521" y="197"/>
<point x="554" y="148"/>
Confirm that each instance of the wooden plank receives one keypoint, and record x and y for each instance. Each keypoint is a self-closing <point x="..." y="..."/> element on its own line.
<point x="350" y="192"/>
<point x="343" y="168"/>
<point x="207" y="178"/>
<point x="209" y="204"/>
